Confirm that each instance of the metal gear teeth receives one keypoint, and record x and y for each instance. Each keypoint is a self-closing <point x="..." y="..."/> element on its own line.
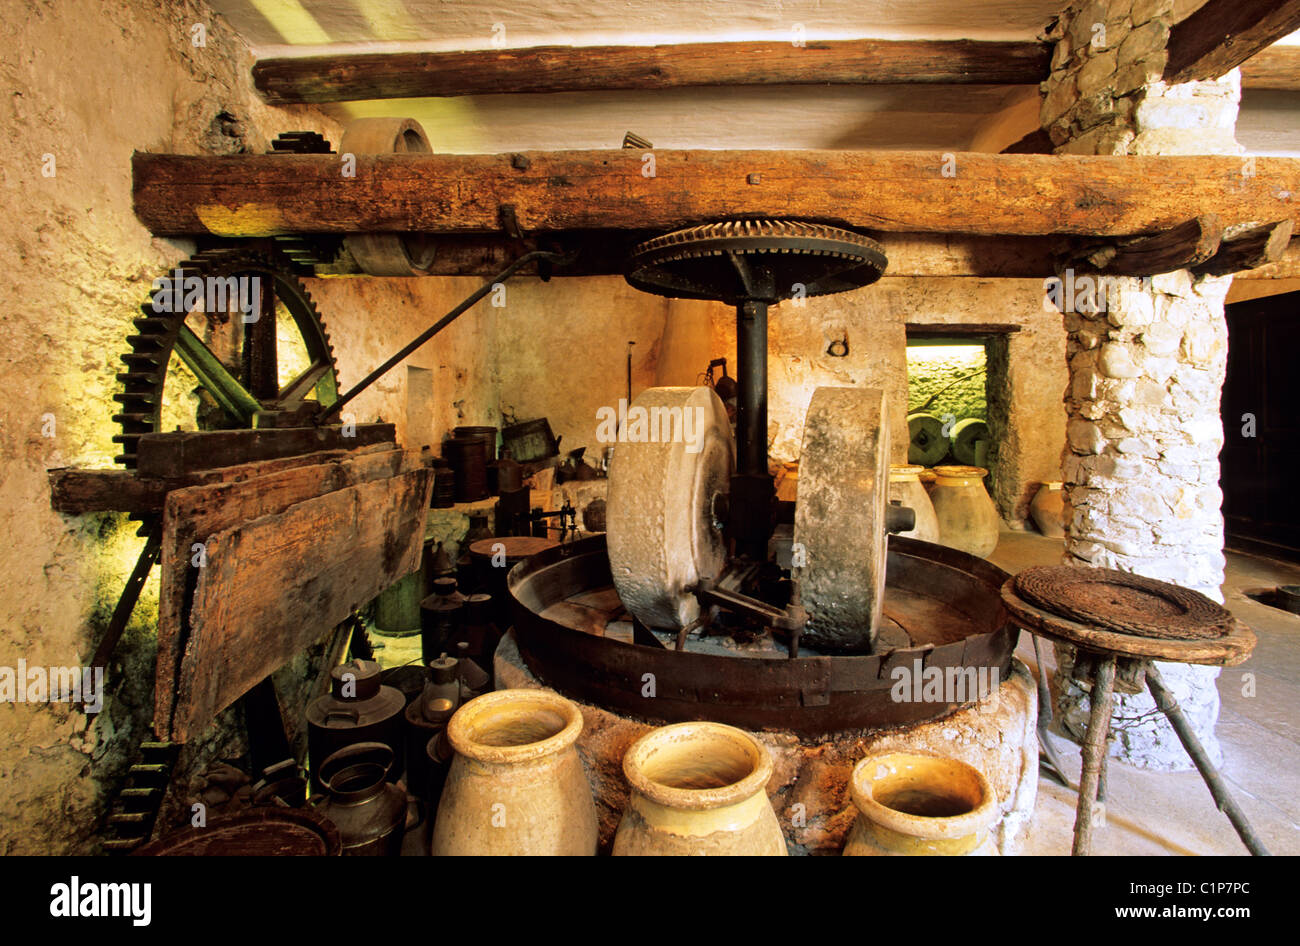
<point x="150" y="347"/>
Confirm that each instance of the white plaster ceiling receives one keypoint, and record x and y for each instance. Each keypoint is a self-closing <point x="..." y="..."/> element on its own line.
<point x="270" y="25"/>
<point x="927" y="117"/>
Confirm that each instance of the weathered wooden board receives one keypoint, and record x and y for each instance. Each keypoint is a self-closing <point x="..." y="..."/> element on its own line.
<point x="893" y="191"/>
<point x="192" y="516"/>
<point x="186" y="451"/>
<point x="273" y="586"/>
<point x="1222" y="34"/>
<point x="75" y="492"/>
<point x="364" y="76"/>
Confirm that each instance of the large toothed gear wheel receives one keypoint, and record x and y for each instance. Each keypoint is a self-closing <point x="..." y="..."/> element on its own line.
<point x="839" y="517"/>
<point x="164" y="335"/>
<point x="739" y="260"/>
<point x="387" y="254"/>
<point x="662" y="528"/>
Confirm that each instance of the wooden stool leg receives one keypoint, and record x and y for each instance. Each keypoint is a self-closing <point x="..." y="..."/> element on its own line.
<point x="1222" y="797"/>
<point x="1094" y="750"/>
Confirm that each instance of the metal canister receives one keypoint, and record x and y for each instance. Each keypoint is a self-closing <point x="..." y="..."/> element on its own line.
<point x="444" y="485"/>
<point x="427" y="716"/>
<point x="369" y="812"/>
<point x="440" y="618"/>
<point x="465" y="454"/>
<point x="358" y="708"/>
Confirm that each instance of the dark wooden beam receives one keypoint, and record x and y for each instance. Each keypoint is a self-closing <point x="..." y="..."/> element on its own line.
<point x="1223" y="34"/>
<point x="184" y="451"/>
<point x="1286" y="267"/>
<point x="1276" y="68"/>
<point x="1036" y="142"/>
<point x="989" y="194"/>
<point x="1249" y="249"/>
<point x="1182" y="247"/>
<point x="356" y="77"/>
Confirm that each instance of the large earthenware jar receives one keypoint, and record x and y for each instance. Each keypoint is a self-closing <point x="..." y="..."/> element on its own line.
<point x="905" y="487"/>
<point x="1048" y="509"/>
<point x="968" y="520"/>
<point x="914" y="804"/>
<point x="516" y="784"/>
<point x="698" y="788"/>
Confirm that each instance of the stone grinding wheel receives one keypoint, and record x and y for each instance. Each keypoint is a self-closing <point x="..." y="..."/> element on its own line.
<point x="970" y="442"/>
<point x="660" y="526"/>
<point x="387" y="254"/>
<point x="839" y="517"/>
<point x="927" y="444"/>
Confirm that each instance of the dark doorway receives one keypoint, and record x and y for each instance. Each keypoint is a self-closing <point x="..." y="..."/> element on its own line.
<point x="1261" y="427"/>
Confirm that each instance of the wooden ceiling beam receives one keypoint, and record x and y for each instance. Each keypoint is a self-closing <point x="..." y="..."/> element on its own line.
<point x="364" y="76"/>
<point x="1223" y="34"/>
<point x="352" y="77"/>
<point x="1249" y="249"/>
<point x="1274" y="69"/>
<point x="893" y="191"/>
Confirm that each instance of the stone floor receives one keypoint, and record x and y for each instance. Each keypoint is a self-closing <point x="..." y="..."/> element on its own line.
<point x="1152" y="813"/>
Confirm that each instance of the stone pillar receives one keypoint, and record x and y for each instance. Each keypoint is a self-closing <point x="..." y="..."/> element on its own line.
<point x="1146" y="357"/>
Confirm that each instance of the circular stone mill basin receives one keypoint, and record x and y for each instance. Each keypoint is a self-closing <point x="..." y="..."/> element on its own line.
<point x="817" y="713"/>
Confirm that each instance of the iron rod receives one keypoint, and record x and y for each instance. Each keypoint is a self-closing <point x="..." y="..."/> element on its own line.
<point x="1213" y="781"/>
<point x="751" y="405"/>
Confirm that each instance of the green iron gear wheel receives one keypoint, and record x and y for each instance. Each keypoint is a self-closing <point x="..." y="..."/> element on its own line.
<point x="160" y="334"/>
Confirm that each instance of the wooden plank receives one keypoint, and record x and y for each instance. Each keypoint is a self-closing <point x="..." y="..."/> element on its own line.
<point x="75" y="492"/>
<point x="1182" y="247"/>
<point x="359" y="77"/>
<point x="1249" y="249"/>
<point x="1276" y="68"/>
<point x="1223" y="34"/>
<point x="194" y="514"/>
<point x="1286" y="267"/>
<point x="187" y="451"/>
<point x="1016" y="194"/>
<point x="274" y="585"/>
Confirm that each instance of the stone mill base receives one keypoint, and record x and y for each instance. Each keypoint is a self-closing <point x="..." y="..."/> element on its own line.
<point x="809" y="787"/>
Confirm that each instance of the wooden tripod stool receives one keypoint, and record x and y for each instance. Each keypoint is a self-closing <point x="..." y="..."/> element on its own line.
<point x="1107" y="616"/>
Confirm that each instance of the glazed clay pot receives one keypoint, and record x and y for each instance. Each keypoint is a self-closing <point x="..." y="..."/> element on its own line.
<point x="919" y="805"/>
<point x="698" y="788"/>
<point x="516" y="784"/>
<point x="1048" y="510"/>
<point x="905" y="487"/>
<point x="369" y="812"/>
<point x="968" y="520"/>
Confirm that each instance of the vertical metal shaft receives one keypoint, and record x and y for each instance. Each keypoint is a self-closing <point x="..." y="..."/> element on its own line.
<point x="751" y="406"/>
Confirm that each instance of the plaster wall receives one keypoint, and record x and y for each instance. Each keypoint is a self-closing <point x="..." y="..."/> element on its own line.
<point x="1027" y="422"/>
<point x="85" y="84"/>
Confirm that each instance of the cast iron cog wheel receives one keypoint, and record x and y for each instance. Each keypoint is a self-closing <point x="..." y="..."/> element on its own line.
<point x="736" y="261"/>
<point x="229" y="397"/>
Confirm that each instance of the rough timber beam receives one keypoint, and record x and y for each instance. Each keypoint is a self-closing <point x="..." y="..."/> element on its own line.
<point x="352" y="77"/>
<point x="891" y="191"/>
<point x="1223" y="34"/>
<point x="364" y="76"/>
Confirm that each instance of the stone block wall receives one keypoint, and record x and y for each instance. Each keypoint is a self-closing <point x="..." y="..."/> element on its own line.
<point x="1147" y="360"/>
